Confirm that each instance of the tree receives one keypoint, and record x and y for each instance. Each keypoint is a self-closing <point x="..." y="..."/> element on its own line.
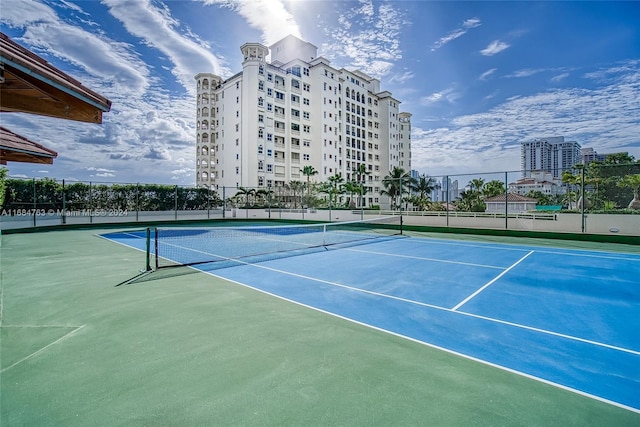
<point x="493" y="188"/>
<point x="352" y="187"/>
<point x="570" y="180"/>
<point x="309" y="171"/>
<point x="333" y="187"/>
<point x="632" y="182"/>
<point x="3" y="181"/>
<point x="361" y="172"/>
<point x="423" y="187"/>
<point x="296" y="186"/>
<point x="397" y="183"/>
<point x="246" y="192"/>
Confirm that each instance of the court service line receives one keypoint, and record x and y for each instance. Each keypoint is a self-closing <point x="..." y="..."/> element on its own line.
<point x="423" y="304"/>
<point x="35" y="353"/>
<point x="511" y="267"/>
<point x="425" y="258"/>
<point x="427" y="344"/>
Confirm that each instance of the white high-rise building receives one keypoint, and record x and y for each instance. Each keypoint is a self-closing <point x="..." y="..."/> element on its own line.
<point x="262" y="126"/>
<point x="553" y="155"/>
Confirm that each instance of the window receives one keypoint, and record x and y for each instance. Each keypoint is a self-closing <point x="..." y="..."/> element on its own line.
<point x="260" y="102"/>
<point x="305" y="115"/>
<point x="261" y="70"/>
<point x="305" y="157"/>
<point x="269" y="152"/>
<point x="260" y="85"/>
<point x="237" y="170"/>
<point x="295" y="99"/>
<point x="306" y="129"/>
<point x="260" y="149"/>
<point x="269" y="137"/>
<point x="306" y="87"/>
<point x="269" y="92"/>
<point x="260" y="165"/>
<point x="269" y="168"/>
<point x="260" y="118"/>
<point x="280" y="95"/>
<point x="305" y="101"/>
<point x="260" y="133"/>
<point x="269" y="107"/>
<point x="305" y="71"/>
<point x="269" y="77"/>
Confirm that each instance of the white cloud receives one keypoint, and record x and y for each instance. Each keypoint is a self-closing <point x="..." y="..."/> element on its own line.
<point x="487" y="73"/>
<point x="606" y="118"/>
<point x="559" y="77"/>
<point x="458" y="32"/>
<point x="159" y="30"/>
<point x="525" y="73"/>
<point x="366" y="38"/>
<point x="113" y="63"/>
<point x="494" y="47"/>
<point x="450" y="95"/>
<point x="270" y="17"/>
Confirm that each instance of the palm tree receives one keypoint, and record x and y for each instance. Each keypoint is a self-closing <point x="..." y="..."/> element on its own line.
<point x="632" y="182"/>
<point x="423" y="186"/>
<point x="296" y="186"/>
<point x="334" y="187"/>
<point x="361" y="172"/>
<point x="352" y="187"/>
<point x="575" y="180"/>
<point x="309" y="171"/>
<point x="493" y="188"/>
<point x="245" y="192"/>
<point x="395" y="185"/>
<point x="570" y="180"/>
<point x="476" y="184"/>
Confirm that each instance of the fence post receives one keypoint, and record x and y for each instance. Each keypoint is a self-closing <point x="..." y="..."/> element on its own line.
<point x="64" y="204"/>
<point x="506" y="202"/>
<point x="175" y="204"/>
<point x="35" y="201"/>
<point x="583" y="199"/>
<point x="446" y="180"/>
<point x="224" y="203"/>
<point x="137" y="200"/>
<point x="90" y="203"/>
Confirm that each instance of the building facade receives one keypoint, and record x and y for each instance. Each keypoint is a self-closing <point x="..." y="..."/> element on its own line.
<point x="553" y="155"/>
<point x="262" y="126"/>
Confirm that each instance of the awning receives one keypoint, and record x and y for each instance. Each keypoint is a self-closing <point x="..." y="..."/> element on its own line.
<point x="29" y="84"/>
<point x="16" y="148"/>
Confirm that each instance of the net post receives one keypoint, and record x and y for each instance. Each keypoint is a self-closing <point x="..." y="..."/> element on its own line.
<point x="147" y="266"/>
<point x="401" y="224"/>
<point x="155" y="240"/>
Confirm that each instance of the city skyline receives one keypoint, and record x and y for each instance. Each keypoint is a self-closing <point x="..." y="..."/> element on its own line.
<point x="478" y="77"/>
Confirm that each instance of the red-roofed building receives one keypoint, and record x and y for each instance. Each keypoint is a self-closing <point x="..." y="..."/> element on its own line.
<point x="515" y="203"/>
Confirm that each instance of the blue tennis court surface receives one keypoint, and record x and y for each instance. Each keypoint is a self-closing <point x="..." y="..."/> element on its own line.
<point x="566" y="317"/>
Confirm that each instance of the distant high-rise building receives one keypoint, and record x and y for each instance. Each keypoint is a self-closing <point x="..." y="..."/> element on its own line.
<point x="590" y="155"/>
<point x="553" y="155"/>
<point x="262" y="126"/>
<point x="448" y="190"/>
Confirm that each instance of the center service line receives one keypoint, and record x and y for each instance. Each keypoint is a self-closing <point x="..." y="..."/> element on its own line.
<point x="491" y="282"/>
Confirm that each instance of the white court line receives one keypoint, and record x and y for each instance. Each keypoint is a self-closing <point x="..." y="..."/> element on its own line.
<point x="425" y="258"/>
<point x="463" y="302"/>
<point x="423" y="304"/>
<point x="35" y="353"/>
<point x="466" y="356"/>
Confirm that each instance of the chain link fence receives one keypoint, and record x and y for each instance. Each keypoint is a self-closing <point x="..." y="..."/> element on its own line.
<point x="598" y="198"/>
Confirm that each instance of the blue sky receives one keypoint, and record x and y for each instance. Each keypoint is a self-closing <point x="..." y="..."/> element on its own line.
<point x="478" y="77"/>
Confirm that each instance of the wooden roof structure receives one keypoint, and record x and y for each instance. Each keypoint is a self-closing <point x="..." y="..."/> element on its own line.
<point x="19" y="149"/>
<point x="29" y="84"/>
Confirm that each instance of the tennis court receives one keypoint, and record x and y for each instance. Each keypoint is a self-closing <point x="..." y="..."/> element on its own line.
<point x="389" y="330"/>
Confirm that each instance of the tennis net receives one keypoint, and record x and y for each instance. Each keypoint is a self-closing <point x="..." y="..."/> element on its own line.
<point x="171" y="247"/>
